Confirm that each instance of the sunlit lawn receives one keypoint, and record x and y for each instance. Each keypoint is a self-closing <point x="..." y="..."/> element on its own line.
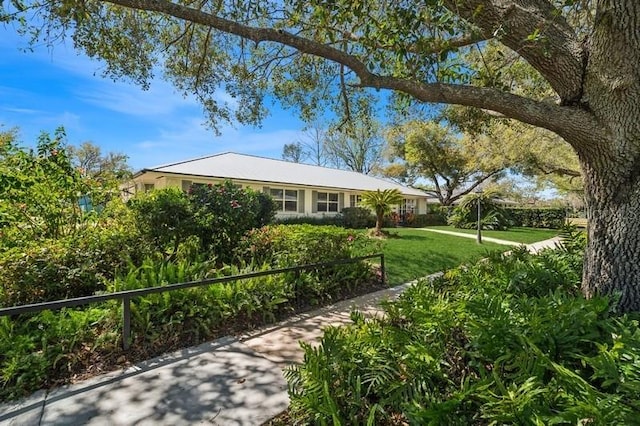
<point x="415" y="253"/>
<point x="519" y="235"/>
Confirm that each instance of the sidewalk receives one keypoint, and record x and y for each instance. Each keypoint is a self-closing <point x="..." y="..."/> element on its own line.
<point x="231" y="381"/>
<point x="473" y="236"/>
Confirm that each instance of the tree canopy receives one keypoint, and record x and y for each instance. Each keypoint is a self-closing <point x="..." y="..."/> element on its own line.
<point x="568" y="66"/>
<point x="454" y="165"/>
<point x="92" y="163"/>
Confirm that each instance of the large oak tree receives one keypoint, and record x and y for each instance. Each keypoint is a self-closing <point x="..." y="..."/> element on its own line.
<point x="312" y="53"/>
<point x="454" y="165"/>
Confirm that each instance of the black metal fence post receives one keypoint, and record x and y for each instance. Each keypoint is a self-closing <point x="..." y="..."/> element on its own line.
<point x="382" y="269"/>
<point x="126" y="322"/>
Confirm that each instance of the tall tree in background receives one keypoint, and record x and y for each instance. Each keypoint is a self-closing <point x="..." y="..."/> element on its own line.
<point x="92" y="163"/>
<point x="356" y="145"/>
<point x="532" y="151"/>
<point x="313" y="140"/>
<point x="453" y="165"/>
<point x="312" y="54"/>
<point x="293" y="152"/>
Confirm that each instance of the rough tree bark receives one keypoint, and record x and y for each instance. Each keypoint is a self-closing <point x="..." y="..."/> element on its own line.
<point x="612" y="165"/>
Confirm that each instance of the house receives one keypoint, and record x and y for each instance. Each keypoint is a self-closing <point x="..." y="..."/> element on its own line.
<point x="298" y="189"/>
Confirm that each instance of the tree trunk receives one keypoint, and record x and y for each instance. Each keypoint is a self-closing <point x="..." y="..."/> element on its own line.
<point x="612" y="166"/>
<point x="379" y="220"/>
<point x="612" y="259"/>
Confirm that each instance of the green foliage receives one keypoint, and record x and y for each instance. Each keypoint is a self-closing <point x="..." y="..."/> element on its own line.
<point x="72" y="266"/>
<point x="165" y="218"/>
<point x="452" y="164"/>
<point x="492" y="215"/>
<point x="537" y="217"/>
<point x="41" y="190"/>
<point x="507" y="341"/>
<point x="357" y="218"/>
<point x="223" y="213"/>
<point x="350" y="217"/>
<point x="428" y="219"/>
<point x="217" y="215"/>
<point x="324" y="220"/>
<point x="37" y="349"/>
<point x="288" y="245"/>
<point x="381" y="203"/>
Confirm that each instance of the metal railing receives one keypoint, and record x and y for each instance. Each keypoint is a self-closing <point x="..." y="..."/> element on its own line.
<point x="127" y="295"/>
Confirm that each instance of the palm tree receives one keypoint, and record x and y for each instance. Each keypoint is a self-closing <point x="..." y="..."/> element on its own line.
<point x="381" y="202"/>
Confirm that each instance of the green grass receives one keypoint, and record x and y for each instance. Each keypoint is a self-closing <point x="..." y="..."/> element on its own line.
<point x="518" y="235"/>
<point x="415" y="253"/>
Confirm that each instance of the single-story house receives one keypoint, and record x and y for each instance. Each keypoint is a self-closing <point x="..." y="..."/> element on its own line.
<point x="298" y="189"/>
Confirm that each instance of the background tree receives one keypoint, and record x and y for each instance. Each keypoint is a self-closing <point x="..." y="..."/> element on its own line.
<point x="313" y="54"/>
<point x="532" y="151"/>
<point x="356" y="145"/>
<point x="313" y="140"/>
<point x="92" y="163"/>
<point x="453" y="165"/>
<point x="381" y="202"/>
<point x="40" y="189"/>
<point x="293" y="152"/>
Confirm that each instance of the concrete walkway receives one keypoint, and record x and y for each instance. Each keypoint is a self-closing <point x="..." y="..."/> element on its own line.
<point x="232" y="381"/>
<point x="473" y="236"/>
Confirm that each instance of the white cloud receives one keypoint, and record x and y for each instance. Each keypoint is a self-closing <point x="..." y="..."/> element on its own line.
<point x="160" y="99"/>
<point x="22" y="110"/>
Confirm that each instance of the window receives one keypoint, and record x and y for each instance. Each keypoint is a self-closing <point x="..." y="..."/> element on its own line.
<point x="327" y="202"/>
<point x="355" y="200"/>
<point x="148" y="187"/>
<point x="285" y="199"/>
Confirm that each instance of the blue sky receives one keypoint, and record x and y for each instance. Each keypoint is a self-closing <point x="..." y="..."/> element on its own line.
<point x="44" y="89"/>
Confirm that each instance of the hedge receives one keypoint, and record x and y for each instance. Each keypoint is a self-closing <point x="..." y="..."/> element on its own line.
<point x="537" y="217"/>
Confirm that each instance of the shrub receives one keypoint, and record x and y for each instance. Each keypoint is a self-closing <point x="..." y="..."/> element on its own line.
<point x="291" y="245"/>
<point x="429" y="219"/>
<point x="48" y="348"/>
<point x="218" y="215"/>
<point x="537" y="217"/>
<point x="465" y="215"/>
<point x="165" y="218"/>
<point x="335" y="220"/>
<point x="38" y="349"/>
<point x="41" y="191"/>
<point x="73" y="266"/>
<point x="358" y="218"/>
<point x="510" y="340"/>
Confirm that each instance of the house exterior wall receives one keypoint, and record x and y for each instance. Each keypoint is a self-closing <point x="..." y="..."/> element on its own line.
<point x="308" y="198"/>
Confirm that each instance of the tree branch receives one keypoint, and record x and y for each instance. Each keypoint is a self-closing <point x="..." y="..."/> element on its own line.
<point x="573" y="124"/>
<point x="436" y="46"/>
<point x="538" y="32"/>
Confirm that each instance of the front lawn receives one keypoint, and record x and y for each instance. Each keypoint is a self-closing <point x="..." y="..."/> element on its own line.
<point x="518" y="235"/>
<point x="414" y="253"/>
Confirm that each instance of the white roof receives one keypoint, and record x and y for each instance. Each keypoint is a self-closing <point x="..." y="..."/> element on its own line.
<point x="230" y="165"/>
